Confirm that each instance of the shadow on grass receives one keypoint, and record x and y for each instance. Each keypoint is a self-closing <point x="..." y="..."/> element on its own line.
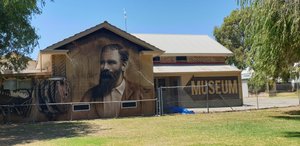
<point x="289" y="115"/>
<point x="292" y="134"/>
<point x="295" y="112"/>
<point x="25" y="133"/>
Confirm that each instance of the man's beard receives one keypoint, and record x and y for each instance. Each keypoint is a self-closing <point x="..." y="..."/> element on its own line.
<point x="107" y="82"/>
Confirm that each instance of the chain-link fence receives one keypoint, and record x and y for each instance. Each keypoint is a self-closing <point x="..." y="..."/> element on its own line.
<point x="16" y="113"/>
<point x="188" y="99"/>
<point x="277" y="95"/>
<point x="273" y="90"/>
<point x="30" y="112"/>
<point x="52" y="100"/>
<point x="223" y="97"/>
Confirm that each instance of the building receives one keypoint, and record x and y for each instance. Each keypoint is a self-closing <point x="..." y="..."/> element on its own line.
<point x="195" y="61"/>
<point x="67" y="79"/>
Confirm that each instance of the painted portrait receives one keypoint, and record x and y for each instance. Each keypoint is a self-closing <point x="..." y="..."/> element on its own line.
<point x="113" y="87"/>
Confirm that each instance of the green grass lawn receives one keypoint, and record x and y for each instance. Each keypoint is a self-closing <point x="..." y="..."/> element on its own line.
<point x="279" y="126"/>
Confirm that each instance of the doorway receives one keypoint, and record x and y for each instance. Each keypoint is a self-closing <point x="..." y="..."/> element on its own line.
<point x="170" y="93"/>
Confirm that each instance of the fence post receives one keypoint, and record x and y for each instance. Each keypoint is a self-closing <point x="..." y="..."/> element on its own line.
<point x="161" y="102"/>
<point x="34" y="108"/>
<point x="9" y="115"/>
<point x="157" y="102"/>
<point x="71" y="111"/>
<point x="256" y="98"/>
<point x="207" y="104"/>
<point x="298" y="91"/>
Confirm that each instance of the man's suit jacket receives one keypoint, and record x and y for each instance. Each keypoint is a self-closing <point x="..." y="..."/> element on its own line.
<point x="132" y="92"/>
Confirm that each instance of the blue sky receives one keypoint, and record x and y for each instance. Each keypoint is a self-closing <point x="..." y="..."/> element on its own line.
<point x="63" y="18"/>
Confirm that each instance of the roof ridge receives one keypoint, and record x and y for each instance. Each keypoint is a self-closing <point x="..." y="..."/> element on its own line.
<point x="169" y="34"/>
<point x="107" y="26"/>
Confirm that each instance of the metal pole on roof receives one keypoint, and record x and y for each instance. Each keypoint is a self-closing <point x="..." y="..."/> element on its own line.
<point x="125" y="18"/>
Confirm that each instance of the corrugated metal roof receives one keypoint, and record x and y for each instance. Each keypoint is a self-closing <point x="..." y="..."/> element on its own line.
<point x="185" y="45"/>
<point x="193" y="68"/>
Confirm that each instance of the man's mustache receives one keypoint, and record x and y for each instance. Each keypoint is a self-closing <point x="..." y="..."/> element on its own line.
<point x="106" y="74"/>
<point x="107" y="82"/>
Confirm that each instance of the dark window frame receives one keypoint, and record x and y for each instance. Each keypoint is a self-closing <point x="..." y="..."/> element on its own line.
<point x="128" y="102"/>
<point x="156" y="59"/>
<point x="80" y="110"/>
<point x="181" y="59"/>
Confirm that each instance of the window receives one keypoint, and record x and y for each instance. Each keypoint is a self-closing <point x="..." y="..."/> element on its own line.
<point x="181" y="59"/>
<point x="15" y="84"/>
<point x="128" y="104"/>
<point x="156" y="59"/>
<point x="81" y="107"/>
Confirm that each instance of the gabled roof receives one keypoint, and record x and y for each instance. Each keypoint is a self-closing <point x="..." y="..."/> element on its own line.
<point x="104" y="25"/>
<point x="185" y="45"/>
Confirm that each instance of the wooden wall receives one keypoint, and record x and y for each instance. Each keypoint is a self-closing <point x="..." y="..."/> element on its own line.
<point x="82" y="65"/>
<point x="59" y="65"/>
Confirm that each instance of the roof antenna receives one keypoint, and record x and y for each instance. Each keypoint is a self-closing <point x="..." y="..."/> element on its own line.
<point x="125" y="18"/>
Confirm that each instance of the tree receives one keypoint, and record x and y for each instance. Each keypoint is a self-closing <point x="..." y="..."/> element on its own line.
<point x="231" y="34"/>
<point x="273" y="35"/>
<point x="17" y="36"/>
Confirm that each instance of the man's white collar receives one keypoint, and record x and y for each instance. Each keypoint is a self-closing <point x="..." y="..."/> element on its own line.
<point x="121" y="87"/>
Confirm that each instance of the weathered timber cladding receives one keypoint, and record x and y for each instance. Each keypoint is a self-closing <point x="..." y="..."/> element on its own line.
<point x="59" y="65"/>
<point x="83" y="69"/>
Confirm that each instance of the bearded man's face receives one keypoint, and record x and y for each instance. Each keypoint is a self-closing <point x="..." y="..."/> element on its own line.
<point x="111" y="68"/>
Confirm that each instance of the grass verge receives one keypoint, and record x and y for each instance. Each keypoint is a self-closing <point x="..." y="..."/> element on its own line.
<point x="278" y="126"/>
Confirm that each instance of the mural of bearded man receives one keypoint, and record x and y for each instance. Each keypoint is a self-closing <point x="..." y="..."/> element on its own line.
<point x="113" y="88"/>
